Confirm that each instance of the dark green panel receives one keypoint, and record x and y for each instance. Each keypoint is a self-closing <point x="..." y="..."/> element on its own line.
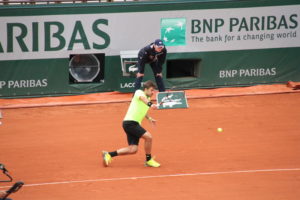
<point x="246" y="67"/>
<point x="217" y="69"/>
<point x="33" y="77"/>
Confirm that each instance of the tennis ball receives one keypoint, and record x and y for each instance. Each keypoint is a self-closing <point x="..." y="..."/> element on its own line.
<point x="219" y="130"/>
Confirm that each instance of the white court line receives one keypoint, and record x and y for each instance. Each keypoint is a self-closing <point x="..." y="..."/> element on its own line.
<point x="159" y="176"/>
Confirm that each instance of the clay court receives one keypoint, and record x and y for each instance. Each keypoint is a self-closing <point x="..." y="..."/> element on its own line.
<point x="56" y="150"/>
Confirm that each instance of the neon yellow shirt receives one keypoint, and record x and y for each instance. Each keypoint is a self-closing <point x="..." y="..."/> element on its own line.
<point x="137" y="109"/>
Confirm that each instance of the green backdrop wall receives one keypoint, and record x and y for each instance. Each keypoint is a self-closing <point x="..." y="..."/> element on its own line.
<point x="237" y="43"/>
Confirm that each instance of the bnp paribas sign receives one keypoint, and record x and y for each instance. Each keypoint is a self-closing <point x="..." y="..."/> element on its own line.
<point x="173" y="31"/>
<point x="243" y="28"/>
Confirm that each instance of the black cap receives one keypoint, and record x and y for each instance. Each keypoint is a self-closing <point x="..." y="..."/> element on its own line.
<point x="159" y="43"/>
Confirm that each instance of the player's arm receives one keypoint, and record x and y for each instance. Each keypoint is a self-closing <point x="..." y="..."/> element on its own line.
<point x="147" y="102"/>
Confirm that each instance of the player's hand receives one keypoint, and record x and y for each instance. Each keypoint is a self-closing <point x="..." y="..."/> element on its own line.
<point x="152" y="121"/>
<point x="154" y="106"/>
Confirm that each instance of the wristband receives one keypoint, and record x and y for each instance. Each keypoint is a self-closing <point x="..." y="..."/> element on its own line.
<point x="149" y="103"/>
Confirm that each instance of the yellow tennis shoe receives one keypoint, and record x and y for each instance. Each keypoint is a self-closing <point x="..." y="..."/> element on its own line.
<point x="107" y="159"/>
<point x="152" y="163"/>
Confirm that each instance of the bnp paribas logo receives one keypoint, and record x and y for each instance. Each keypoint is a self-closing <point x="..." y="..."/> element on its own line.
<point x="173" y="31"/>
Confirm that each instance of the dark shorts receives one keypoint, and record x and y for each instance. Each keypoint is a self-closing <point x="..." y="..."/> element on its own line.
<point x="134" y="132"/>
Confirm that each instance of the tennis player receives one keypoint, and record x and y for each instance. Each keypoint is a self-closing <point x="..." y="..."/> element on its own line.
<point x="154" y="54"/>
<point x="136" y="112"/>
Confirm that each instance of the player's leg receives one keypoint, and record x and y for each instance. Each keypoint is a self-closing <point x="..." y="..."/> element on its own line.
<point x="148" y="143"/>
<point x="157" y="72"/>
<point x="107" y="156"/>
<point x="148" y="148"/>
<point x="134" y="132"/>
<point x="131" y="149"/>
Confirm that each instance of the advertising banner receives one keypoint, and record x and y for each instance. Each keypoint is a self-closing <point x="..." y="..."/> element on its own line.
<point x="58" y="36"/>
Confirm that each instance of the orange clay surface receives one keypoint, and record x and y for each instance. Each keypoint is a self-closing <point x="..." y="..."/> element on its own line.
<point x="56" y="150"/>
